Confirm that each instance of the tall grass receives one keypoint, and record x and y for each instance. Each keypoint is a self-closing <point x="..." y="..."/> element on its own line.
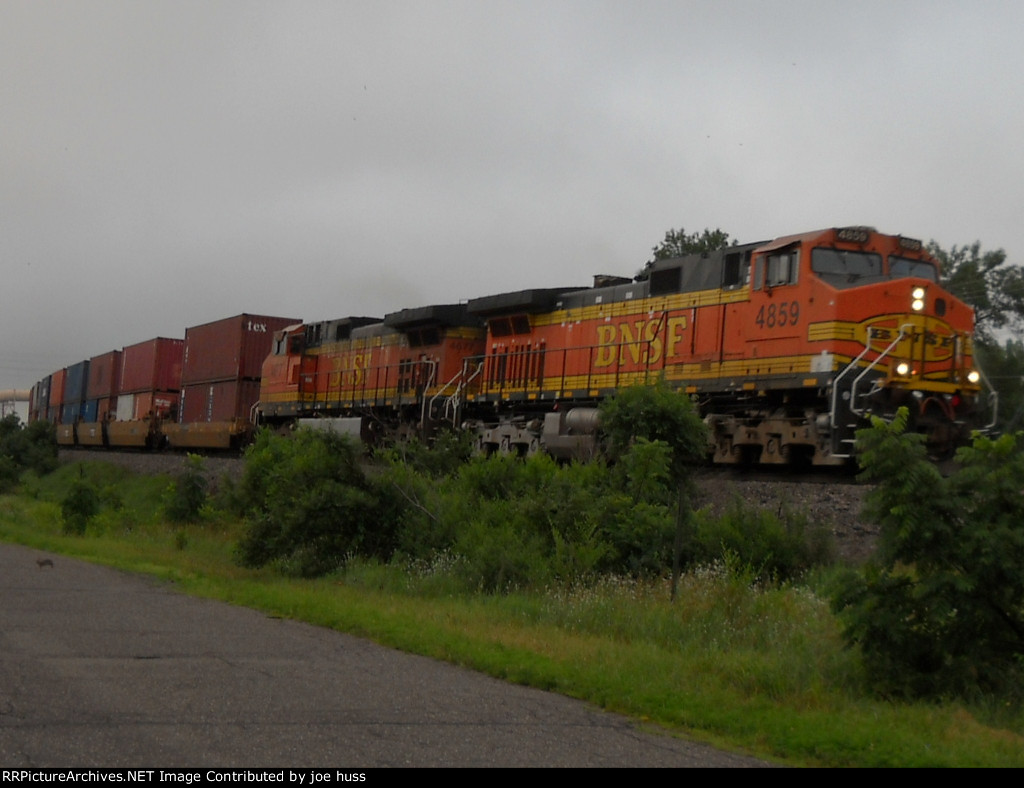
<point x="746" y="664"/>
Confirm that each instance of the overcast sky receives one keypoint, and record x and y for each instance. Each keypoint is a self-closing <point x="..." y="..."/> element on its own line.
<point x="168" y="163"/>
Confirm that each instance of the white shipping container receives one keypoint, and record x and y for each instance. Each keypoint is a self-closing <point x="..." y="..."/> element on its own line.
<point x="126" y="407"/>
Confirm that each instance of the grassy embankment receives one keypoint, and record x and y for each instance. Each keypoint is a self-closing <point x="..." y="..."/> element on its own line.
<point x="761" y="670"/>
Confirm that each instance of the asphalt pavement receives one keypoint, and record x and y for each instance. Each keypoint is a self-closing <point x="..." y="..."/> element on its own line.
<point x="100" y="668"/>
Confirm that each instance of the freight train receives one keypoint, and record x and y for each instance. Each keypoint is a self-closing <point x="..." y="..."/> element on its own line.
<point x="785" y="347"/>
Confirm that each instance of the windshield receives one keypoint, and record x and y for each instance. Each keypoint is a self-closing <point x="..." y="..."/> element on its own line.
<point x="903" y="266"/>
<point x="843" y="269"/>
<point x="846" y="269"/>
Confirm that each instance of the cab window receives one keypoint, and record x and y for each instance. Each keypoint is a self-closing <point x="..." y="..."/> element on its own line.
<point x="903" y="266"/>
<point x="777" y="268"/>
<point x="842" y="268"/>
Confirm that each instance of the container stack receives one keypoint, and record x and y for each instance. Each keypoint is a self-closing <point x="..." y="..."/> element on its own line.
<point x="220" y="379"/>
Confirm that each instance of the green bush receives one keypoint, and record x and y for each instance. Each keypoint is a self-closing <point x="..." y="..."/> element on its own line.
<point x="657" y="413"/>
<point x="510" y="522"/>
<point x="443" y="456"/>
<point x="309" y="505"/>
<point x="553" y="522"/>
<point x="660" y="415"/>
<point x="32" y="448"/>
<point x="941" y="612"/>
<point x="773" y="547"/>
<point x="187" y="494"/>
<point x="10" y="472"/>
<point x="519" y="523"/>
<point x="79" y="506"/>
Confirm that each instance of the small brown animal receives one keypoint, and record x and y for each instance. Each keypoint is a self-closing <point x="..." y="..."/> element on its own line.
<point x="44" y="562"/>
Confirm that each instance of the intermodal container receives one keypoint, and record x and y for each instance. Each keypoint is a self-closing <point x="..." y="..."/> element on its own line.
<point x="57" y="380"/>
<point x="41" y="398"/>
<point x="70" y="412"/>
<point x="75" y="384"/>
<point x="90" y="410"/>
<point x="154" y="365"/>
<point x="224" y="400"/>
<point x="106" y="407"/>
<point x="232" y="349"/>
<point x="145" y="404"/>
<point x="104" y="375"/>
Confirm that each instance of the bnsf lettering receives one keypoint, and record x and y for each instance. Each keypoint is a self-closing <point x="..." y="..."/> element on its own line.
<point x="778" y="315"/>
<point x="349" y="369"/>
<point x="934" y="340"/>
<point x="930" y="339"/>
<point x="642" y="341"/>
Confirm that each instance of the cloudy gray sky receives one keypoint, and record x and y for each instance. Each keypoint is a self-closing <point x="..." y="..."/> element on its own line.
<point x="165" y="163"/>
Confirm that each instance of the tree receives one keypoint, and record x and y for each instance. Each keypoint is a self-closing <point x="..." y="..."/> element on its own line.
<point x="25" y="448"/>
<point x="678" y="243"/>
<point x="995" y="289"/>
<point x="1004" y="369"/>
<point x="942" y="610"/>
<point x="309" y="506"/>
<point x="658" y="414"/>
<point x="988" y="283"/>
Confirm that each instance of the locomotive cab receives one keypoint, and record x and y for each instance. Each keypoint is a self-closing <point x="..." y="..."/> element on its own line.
<point x="860" y="318"/>
<point x="280" y="375"/>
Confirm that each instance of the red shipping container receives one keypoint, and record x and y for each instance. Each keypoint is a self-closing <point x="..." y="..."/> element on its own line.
<point x="104" y="375"/>
<point x="106" y="407"/>
<point x="224" y="400"/>
<point x="230" y="349"/>
<point x="57" y="387"/>
<point x="154" y="365"/>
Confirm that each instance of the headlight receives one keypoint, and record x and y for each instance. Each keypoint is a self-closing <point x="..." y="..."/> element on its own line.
<point x="917" y="294"/>
<point x="903" y="369"/>
<point x="974" y="376"/>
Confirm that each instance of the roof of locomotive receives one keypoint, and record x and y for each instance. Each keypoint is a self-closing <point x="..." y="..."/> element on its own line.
<point x="861" y="235"/>
<point x="536" y="300"/>
<point x="437" y="315"/>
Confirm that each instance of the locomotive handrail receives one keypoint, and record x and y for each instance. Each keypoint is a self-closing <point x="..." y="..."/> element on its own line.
<point x="432" y="365"/>
<point x="869" y="367"/>
<point x="853" y="389"/>
<point x="993" y="398"/>
<point x="835" y="383"/>
<point x="457" y="396"/>
<point x="441" y="391"/>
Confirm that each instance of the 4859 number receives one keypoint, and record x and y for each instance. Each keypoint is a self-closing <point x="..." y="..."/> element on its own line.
<point x="778" y="315"/>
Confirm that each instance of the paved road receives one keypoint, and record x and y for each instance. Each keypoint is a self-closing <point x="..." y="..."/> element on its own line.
<point x="102" y="668"/>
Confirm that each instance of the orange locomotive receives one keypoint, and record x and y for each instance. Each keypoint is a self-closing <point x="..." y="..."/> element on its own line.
<point x="785" y="346"/>
<point x="370" y="377"/>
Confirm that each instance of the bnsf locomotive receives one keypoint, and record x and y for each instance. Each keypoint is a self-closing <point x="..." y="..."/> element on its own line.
<point x="786" y="347"/>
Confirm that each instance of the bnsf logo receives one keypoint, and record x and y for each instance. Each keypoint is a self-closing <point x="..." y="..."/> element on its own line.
<point x="258" y="328"/>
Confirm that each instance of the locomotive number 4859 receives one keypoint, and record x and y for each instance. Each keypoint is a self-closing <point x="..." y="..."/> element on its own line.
<point x="778" y="315"/>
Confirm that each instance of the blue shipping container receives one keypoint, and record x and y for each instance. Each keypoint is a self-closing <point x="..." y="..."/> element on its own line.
<point x="91" y="410"/>
<point x="75" y="383"/>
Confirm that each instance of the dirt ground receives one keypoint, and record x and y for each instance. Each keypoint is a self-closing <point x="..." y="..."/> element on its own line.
<point x="835" y="505"/>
